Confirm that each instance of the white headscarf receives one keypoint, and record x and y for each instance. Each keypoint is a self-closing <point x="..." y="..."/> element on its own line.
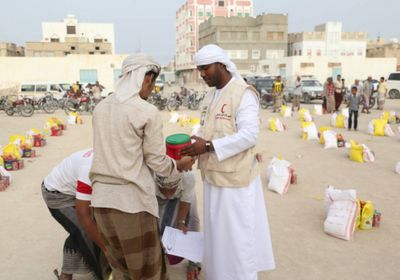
<point x="133" y="71"/>
<point x="170" y="182"/>
<point x="210" y="54"/>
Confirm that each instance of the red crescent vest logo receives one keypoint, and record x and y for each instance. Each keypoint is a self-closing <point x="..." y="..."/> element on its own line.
<point x="223" y="108"/>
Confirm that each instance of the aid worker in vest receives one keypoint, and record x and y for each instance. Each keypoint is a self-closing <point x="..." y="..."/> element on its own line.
<point x="236" y="229"/>
<point x="277" y="93"/>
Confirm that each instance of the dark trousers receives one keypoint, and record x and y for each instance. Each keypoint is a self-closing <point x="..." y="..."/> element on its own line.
<point x="355" y="113"/>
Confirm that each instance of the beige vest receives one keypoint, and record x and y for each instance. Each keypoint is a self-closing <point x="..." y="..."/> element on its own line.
<point x="219" y="120"/>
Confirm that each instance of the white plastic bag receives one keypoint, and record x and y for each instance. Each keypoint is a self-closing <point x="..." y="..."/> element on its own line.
<point x="330" y="138"/>
<point x="397" y="168"/>
<point x="371" y="128"/>
<point x="318" y="110"/>
<point x="333" y="119"/>
<point x="312" y="132"/>
<point x="279" y="125"/>
<point x="307" y="116"/>
<point x="341" y="217"/>
<point x="174" y="117"/>
<point x="368" y="155"/>
<point x="346" y="113"/>
<point x="287" y="113"/>
<point x="5" y="173"/>
<point x="279" y="175"/>
<point x="389" y="131"/>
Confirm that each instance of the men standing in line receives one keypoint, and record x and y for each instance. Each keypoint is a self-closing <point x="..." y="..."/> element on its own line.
<point x="129" y="146"/>
<point x="236" y="230"/>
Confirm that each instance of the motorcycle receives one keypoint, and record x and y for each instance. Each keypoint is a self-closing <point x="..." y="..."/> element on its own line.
<point x="195" y="100"/>
<point x="19" y="107"/>
<point x="159" y="101"/>
<point x="46" y="103"/>
<point x="174" y="102"/>
<point x="3" y="102"/>
<point x="85" y="103"/>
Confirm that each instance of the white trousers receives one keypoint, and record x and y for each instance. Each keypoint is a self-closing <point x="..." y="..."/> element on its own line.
<point x="236" y="232"/>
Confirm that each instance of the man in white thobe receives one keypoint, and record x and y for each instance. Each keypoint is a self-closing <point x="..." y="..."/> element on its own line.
<point x="237" y="237"/>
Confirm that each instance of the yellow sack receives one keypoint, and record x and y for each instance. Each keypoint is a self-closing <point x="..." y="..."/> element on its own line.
<point x="367" y="214"/>
<point x="1" y="162"/>
<point x="272" y="125"/>
<point x="356" y="152"/>
<point x="35" y="131"/>
<point x="16" y="137"/>
<point x="379" y="127"/>
<point x="340" y="121"/>
<point x="194" y="121"/>
<point x="283" y="110"/>
<point x="301" y="113"/>
<point x="51" y="122"/>
<point x="304" y="125"/>
<point x="12" y="150"/>
<point x="322" y="129"/>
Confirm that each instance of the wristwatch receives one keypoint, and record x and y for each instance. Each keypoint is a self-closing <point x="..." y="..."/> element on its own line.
<point x="208" y="146"/>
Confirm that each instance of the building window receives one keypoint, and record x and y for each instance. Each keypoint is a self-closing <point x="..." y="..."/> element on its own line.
<point x="88" y="75"/>
<point x="272" y="54"/>
<point x="67" y="53"/>
<point x="246" y="14"/>
<point x="98" y="40"/>
<point x="221" y="3"/>
<point x="102" y="52"/>
<point x="295" y="52"/>
<point x="255" y="54"/>
<point x="318" y="52"/>
<point x="97" y="48"/>
<point x="201" y="13"/>
<point x="300" y="53"/>
<point x="279" y="36"/>
<point x="239" y="14"/>
<point x="71" y="29"/>
<point x="190" y="13"/>
<point x="270" y="36"/>
<point x="54" y="40"/>
<point x="209" y="14"/>
<point x="91" y="52"/>
<point x="309" y="52"/>
<point x="72" y="48"/>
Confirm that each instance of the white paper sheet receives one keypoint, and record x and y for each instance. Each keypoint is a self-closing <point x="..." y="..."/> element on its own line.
<point x="189" y="246"/>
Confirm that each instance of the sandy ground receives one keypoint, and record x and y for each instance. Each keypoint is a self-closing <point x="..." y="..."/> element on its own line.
<point x="31" y="240"/>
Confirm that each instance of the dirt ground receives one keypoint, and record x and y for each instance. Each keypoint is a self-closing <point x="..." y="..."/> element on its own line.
<point x="31" y="240"/>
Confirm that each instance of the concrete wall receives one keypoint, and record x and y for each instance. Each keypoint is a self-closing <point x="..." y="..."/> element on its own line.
<point x="17" y="70"/>
<point x="351" y="68"/>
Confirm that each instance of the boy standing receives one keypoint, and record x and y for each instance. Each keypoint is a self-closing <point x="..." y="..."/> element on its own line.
<point x="354" y="104"/>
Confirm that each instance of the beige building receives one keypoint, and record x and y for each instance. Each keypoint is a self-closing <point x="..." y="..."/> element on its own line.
<point x="73" y="37"/>
<point x="328" y="40"/>
<point x="11" y="49"/>
<point x="247" y="40"/>
<point x="382" y="48"/>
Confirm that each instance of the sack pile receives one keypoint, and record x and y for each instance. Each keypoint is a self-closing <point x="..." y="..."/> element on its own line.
<point x="281" y="174"/>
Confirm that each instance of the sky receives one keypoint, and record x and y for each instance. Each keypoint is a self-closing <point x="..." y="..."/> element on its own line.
<point x="149" y="26"/>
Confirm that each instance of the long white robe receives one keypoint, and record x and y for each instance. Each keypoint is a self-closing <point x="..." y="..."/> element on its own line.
<point x="237" y="236"/>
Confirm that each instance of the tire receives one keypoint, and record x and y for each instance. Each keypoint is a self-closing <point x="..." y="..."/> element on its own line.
<point x="49" y="108"/>
<point x="27" y="110"/>
<point x="9" y="111"/>
<point x="307" y="99"/>
<point x="394" y="93"/>
<point x="372" y="102"/>
<point x="172" y="105"/>
<point x="69" y="106"/>
<point x="195" y="105"/>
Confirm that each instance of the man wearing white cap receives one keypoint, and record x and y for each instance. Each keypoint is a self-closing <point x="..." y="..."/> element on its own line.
<point x="237" y="237"/>
<point x="129" y="147"/>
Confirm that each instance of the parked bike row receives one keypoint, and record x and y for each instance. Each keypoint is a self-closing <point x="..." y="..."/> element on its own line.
<point x="190" y="99"/>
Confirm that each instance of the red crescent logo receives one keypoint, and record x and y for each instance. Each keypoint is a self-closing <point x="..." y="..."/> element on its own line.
<point x="222" y="108"/>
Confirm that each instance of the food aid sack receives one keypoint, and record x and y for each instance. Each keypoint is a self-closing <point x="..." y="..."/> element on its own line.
<point x="330" y="138"/>
<point x="390" y="117"/>
<point x="305" y="115"/>
<point x="279" y="174"/>
<point x="338" y="120"/>
<point x="286" y="112"/>
<point x="321" y="130"/>
<point x="310" y="131"/>
<point x="377" y="127"/>
<point x="342" y="214"/>
<point x="275" y="125"/>
<point x="346" y="113"/>
<point x="318" y="111"/>
<point x="356" y="152"/>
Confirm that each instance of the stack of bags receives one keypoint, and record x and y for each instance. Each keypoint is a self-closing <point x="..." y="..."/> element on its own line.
<point x="286" y="112"/>
<point x="310" y="131"/>
<point x="12" y="157"/>
<point x="275" y="125"/>
<point x="360" y="153"/>
<point x="380" y="127"/>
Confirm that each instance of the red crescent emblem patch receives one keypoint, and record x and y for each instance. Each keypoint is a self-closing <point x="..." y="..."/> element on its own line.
<point x="223" y="108"/>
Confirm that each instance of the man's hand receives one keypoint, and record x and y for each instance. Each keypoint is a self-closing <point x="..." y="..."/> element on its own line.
<point x="182" y="227"/>
<point x="197" y="148"/>
<point x="185" y="164"/>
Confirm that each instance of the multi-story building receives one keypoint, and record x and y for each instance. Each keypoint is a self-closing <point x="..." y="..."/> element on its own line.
<point x="73" y="37"/>
<point x="382" y="48"/>
<point x="328" y="40"/>
<point x="11" y="49"/>
<point x="188" y="18"/>
<point x="247" y="40"/>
